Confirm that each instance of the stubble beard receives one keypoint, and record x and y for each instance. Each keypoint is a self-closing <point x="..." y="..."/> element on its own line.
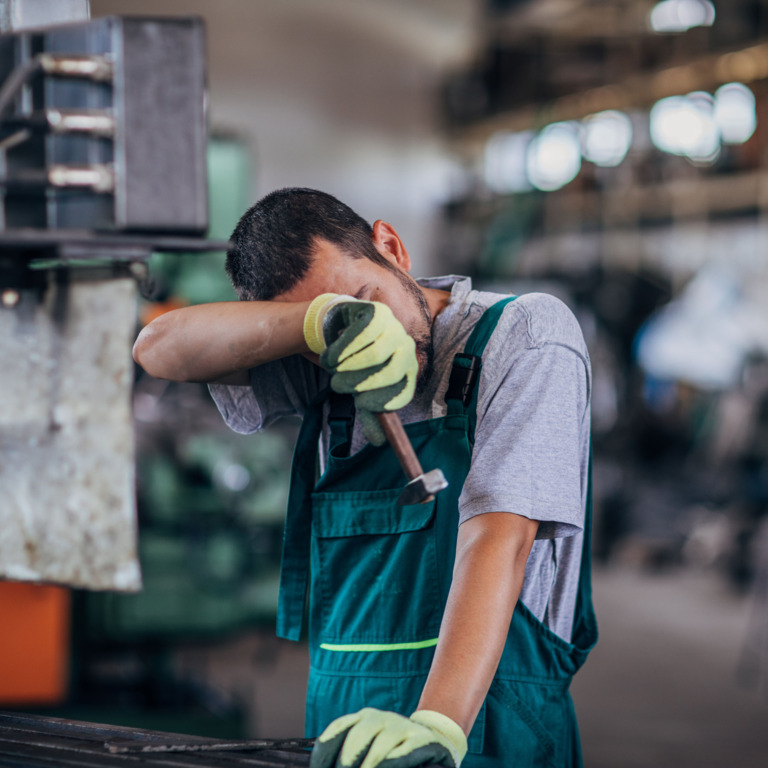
<point x="425" y="349"/>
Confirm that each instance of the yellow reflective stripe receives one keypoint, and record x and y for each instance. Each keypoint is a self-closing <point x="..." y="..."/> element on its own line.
<point x="380" y="646"/>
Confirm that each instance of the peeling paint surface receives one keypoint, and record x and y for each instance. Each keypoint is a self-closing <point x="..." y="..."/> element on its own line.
<point x="67" y="498"/>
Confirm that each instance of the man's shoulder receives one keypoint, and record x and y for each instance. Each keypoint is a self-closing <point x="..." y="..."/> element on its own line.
<point x="550" y="320"/>
<point x="536" y="319"/>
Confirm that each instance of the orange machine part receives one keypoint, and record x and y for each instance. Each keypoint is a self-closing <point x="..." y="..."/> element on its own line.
<point x="34" y="643"/>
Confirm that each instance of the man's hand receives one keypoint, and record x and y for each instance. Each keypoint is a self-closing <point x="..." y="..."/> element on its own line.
<point x="372" y="737"/>
<point x="368" y="351"/>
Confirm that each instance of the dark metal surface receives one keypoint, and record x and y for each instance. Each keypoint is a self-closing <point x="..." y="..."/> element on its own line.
<point x="30" y="241"/>
<point x="43" y="742"/>
<point x="33" y="741"/>
<point x="23" y="249"/>
<point x="122" y="746"/>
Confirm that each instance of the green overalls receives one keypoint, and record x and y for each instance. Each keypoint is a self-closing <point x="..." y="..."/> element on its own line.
<point x="380" y="579"/>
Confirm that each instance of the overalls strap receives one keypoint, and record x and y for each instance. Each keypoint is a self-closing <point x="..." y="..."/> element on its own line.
<point x="485" y="327"/>
<point x="294" y="571"/>
<point x="461" y="396"/>
<point x="584" y="621"/>
<point x="341" y="420"/>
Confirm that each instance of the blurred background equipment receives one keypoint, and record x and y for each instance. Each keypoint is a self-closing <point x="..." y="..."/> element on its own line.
<point x="615" y="155"/>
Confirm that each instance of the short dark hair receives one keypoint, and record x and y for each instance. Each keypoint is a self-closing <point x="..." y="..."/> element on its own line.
<point x="273" y="243"/>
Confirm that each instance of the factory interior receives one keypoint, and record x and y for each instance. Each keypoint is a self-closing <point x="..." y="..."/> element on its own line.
<point x="613" y="153"/>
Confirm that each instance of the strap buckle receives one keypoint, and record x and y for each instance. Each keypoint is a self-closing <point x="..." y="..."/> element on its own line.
<point x="464" y="373"/>
<point x="342" y="407"/>
<point x="341" y="419"/>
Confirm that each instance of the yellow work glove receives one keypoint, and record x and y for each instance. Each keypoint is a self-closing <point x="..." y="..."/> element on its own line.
<point x="368" y="352"/>
<point x="372" y="737"/>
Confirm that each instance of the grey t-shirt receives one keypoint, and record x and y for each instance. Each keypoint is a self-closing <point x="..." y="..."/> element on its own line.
<point x="531" y="449"/>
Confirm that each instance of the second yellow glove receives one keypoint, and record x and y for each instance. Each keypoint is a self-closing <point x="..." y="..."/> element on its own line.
<point x="372" y="737"/>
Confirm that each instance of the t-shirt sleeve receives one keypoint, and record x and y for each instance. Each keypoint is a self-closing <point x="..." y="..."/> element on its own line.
<point x="532" y="436"/>
<point x="280" y="388"/>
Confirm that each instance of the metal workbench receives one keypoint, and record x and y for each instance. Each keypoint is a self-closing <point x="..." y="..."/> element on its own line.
<point x="44" y="742"/>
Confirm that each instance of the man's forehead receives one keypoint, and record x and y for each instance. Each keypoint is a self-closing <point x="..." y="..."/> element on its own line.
<point x="331" y="270"/>
<point x="324" y="248"/>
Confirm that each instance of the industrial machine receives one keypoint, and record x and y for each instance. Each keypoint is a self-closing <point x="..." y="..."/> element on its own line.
<point x="102" y="162"/>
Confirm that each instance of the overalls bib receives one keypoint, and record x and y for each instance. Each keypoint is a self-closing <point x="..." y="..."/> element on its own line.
<point x="380" y="576"/>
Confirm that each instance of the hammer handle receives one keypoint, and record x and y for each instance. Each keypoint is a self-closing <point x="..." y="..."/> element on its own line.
<point x="393" y="429"/>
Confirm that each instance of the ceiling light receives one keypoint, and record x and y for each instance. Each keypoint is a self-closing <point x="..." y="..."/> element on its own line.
<point x="504" y="168"/>
<point x="606" y="138"/>
<point x="735" y="113"/>
<point x="554" y="156"/>
<point x="685" y="125"/>
<point x="681" y="15"/>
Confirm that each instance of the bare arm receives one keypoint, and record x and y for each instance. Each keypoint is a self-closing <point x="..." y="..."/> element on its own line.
<point x="221" y="341"/>
<point x="491" y="553"/>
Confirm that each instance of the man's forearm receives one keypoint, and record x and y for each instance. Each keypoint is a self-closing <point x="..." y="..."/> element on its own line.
<point x="212" y="341"/>
<point x="491" y="554"/>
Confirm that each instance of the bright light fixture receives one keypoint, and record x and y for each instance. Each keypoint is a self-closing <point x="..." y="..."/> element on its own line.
<point x="606" y="138"/>
<point x="681" y="15"/>
<point x="504" y="166"/>
<point x="735" y="113"/>
<point x="554" y="156"/>
<point x="685" y="125"/>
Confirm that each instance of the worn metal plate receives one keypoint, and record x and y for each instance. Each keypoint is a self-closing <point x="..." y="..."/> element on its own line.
<point x="162" y="171"/>
<point x="67" y="500"/>
<point x="41" y="741"/>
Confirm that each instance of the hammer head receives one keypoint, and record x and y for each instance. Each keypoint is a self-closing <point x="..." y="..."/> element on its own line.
<point x="422" y="488"/>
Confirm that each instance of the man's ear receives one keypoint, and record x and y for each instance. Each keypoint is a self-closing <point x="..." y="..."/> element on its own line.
<point x="390" y="246"/>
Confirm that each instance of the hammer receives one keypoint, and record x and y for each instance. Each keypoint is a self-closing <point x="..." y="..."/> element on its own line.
<point x="422" y="486"/>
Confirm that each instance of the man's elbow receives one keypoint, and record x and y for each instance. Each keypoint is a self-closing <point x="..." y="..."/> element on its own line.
<point x="151" y="353"/>
<point x="509" y="534"/>
<point x="143" y="350"/>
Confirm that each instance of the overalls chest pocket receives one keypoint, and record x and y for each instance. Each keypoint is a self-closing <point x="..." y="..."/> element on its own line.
<point x="375" y="568"/>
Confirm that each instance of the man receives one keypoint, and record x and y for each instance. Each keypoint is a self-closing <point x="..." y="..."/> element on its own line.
<point x="439" y="630"/>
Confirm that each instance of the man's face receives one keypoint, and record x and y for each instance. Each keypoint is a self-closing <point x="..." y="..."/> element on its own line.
<point x="334" y="271"/>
